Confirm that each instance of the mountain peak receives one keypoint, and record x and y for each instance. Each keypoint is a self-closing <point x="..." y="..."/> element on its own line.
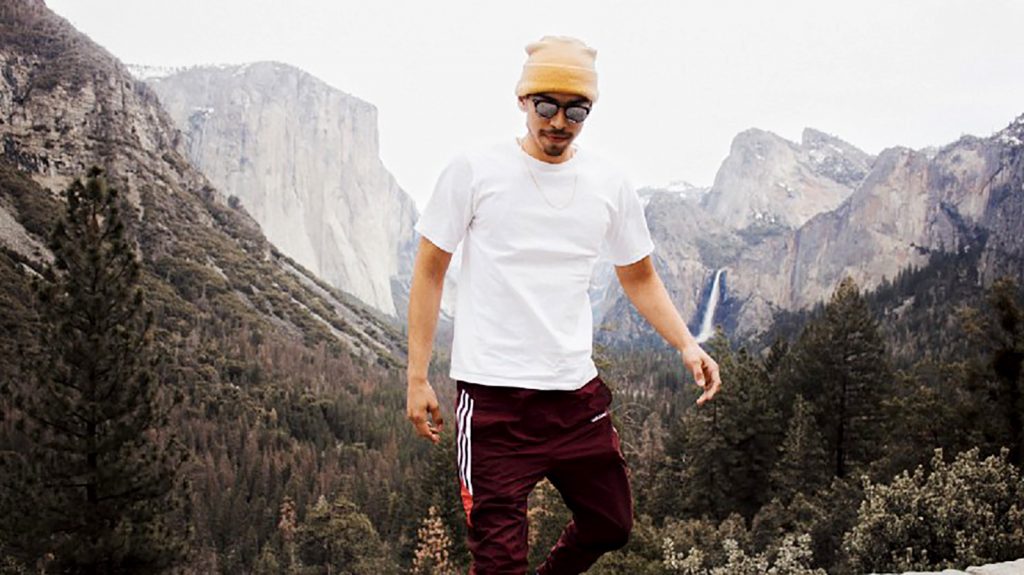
<point x="261" y="76"/>
<point x="767" y="178"/>
<point x="146" y="72"/>
<point x="813" y="137"/>
<point x="680" y="186"/>
<point x="835" y="158"/>
<point x="757" y="135"/>
<point x="1012" y="134"/>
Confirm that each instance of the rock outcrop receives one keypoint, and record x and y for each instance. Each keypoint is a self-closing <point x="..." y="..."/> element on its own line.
<point x="770" y="182"/>
<point x="910" y="203"/>
<point x="303" y="160"/>
<point x="66" y="104"/>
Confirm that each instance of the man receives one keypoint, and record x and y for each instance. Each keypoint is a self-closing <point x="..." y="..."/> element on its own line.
<point x="532" y="215"/>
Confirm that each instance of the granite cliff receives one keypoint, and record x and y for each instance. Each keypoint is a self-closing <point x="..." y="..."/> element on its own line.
<point x="966" y="195"/>
<point x="882" y="215"/>
<point x="66" y="104"/>
<point x="303" y="159"/>
<point x="770" y="182"/>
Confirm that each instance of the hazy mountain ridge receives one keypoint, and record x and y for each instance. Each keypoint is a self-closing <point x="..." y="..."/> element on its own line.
<point x="910" y="203"/>
<point x="766" y="187"/>
<point x="767" y="180"/>
<point x="303" y="159"/>
<point x="67" y="104"/>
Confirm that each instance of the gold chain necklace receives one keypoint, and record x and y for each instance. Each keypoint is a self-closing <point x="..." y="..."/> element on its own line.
<point x="575" y="178"/>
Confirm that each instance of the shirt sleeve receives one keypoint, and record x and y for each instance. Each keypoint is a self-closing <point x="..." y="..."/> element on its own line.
<point x="449" y="212"/>
<point x="628" y="239"/>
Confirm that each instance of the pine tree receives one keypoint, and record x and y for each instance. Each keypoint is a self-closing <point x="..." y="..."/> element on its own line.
<point x="839" y="364"/>
<point x="287" y="526"/>
<point x="340" y="539"/>
<point x="776" y="353"/>
<point x="726" y="448"/>
<point x="432" y="547"/>
<point x="1000" y="374"/>
<point x="802" y="466"/>
<point x="933" y="406"/>
<point x="267" y="563"/>
<point x="435" y="484"/>
<point x="95" y="486"/>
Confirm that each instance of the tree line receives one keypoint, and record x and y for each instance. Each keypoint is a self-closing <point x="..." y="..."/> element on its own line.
<point x="867" y="436"/>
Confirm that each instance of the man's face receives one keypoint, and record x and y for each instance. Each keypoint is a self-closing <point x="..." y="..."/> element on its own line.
<point x="554" y="135"/>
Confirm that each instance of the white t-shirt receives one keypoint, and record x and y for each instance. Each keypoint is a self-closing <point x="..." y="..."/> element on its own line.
<point x="531" y="233"/>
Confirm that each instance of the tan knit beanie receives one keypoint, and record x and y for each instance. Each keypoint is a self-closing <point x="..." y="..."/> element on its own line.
<point x="559" y="64"/>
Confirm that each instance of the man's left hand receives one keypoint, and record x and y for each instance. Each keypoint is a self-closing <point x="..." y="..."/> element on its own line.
<point x="704" y="370"/>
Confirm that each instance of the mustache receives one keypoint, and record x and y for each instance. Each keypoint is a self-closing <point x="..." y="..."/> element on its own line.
<point x="559" y="133"/>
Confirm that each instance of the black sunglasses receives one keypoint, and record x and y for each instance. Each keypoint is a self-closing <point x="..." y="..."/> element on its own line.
<point x="547" y="109"/>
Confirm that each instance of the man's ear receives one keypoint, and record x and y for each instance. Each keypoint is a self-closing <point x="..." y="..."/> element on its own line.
<point x="522" y="103"/>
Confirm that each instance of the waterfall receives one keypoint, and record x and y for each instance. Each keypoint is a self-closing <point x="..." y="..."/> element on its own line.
<point x="707" y="328"/>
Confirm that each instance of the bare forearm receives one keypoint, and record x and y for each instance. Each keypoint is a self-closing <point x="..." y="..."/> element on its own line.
<point x="644" y="288"/>
<point x="646" y="291"/>
<point x="424" y="305"/>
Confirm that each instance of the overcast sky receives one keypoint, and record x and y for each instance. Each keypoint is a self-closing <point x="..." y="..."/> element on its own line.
<point x="678" y="79"/>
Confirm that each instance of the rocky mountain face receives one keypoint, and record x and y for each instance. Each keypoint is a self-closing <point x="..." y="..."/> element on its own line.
<point x="690" y="245"/>
<point x="66" y="105"/>
<point x="766" y="187"/>
<point x="911" y="203"/>
<point x="770" y="182"/>
<point x="303" y="160"/>
<point x="895" y="209"/>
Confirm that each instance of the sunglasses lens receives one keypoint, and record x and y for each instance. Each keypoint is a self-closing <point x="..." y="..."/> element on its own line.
<point x="576" y="113"/>
<point x="545" y="109"/>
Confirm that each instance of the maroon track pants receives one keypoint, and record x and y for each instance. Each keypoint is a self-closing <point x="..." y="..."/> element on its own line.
<point x="508" y="439"/>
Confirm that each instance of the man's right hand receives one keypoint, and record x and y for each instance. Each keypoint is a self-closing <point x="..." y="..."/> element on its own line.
<point x="421" y="401"/>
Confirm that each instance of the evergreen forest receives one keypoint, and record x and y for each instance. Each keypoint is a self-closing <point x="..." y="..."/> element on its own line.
<point x="146" y="428"/>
